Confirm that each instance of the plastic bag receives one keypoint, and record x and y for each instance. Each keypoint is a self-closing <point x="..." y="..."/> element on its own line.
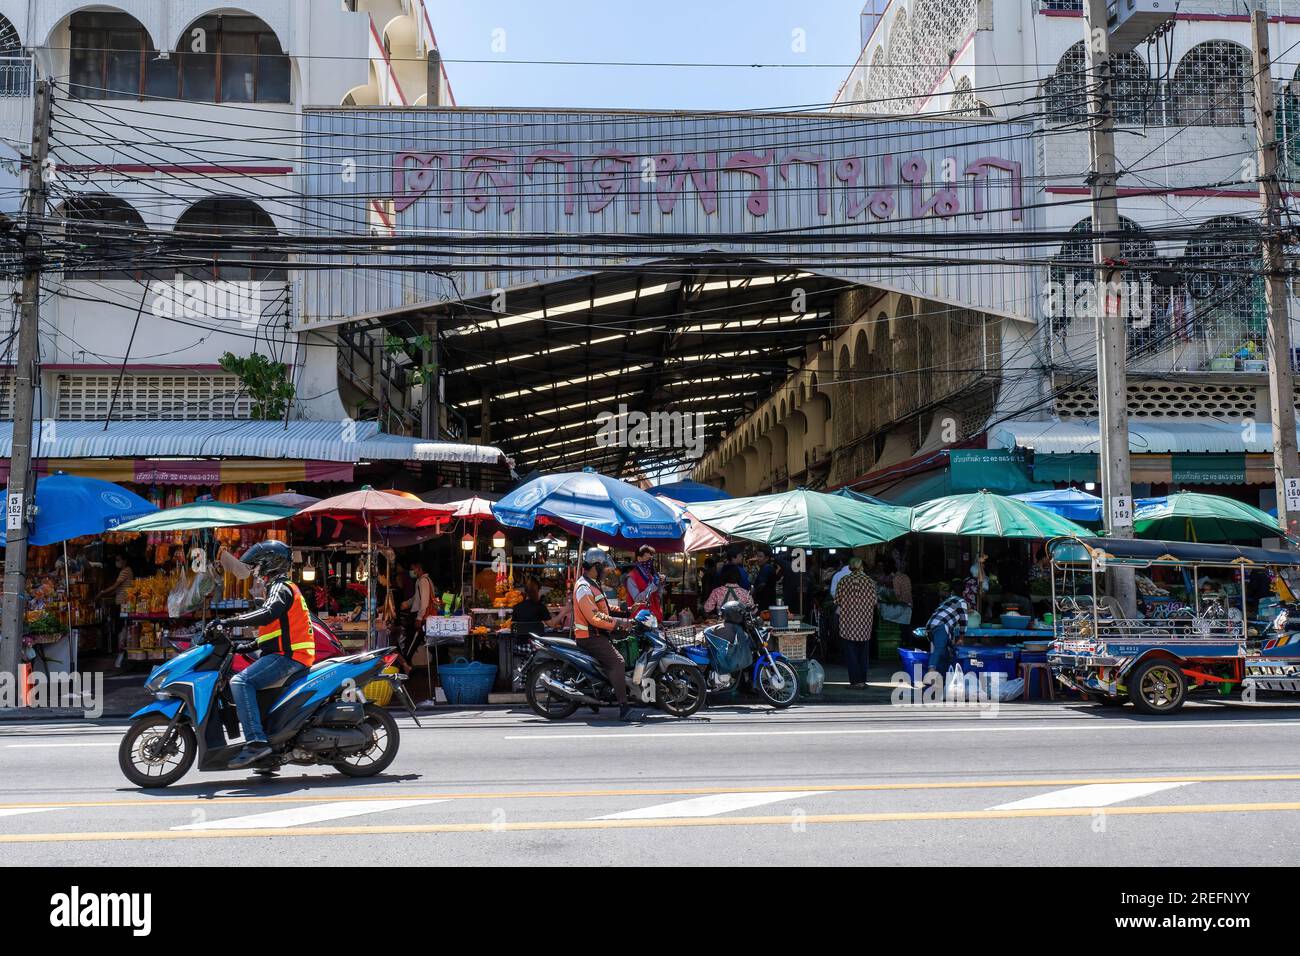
<point x="816" y="678"/>
<point x="177" y="596"/>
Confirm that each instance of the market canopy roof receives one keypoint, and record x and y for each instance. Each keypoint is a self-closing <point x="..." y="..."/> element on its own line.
<point x="347" y="441"/>
<point x="565" y="355"/>
<point x="1141" y="552"/>
<point x="805" y="519"/>
<point x="1145" y="436"/>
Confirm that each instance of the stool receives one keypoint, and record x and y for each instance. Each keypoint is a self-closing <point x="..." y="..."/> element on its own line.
<point x="1027" y="673"/>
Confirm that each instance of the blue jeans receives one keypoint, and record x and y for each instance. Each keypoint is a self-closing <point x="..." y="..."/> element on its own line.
<point x="262" y="673"/>
<point x="940" y="656"/>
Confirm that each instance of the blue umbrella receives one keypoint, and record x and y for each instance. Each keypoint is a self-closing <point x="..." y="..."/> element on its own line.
<point x="1067" y="502"/>
<point x="69" y="506"/>
<point x="590" y="501"/>
<point x="688" y="492"/>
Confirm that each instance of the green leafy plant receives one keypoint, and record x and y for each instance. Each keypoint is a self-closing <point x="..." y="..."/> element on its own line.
<point x="266" y="382"/>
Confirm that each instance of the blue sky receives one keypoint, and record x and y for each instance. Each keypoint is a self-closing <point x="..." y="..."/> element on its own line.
<point x="715" y="31"/>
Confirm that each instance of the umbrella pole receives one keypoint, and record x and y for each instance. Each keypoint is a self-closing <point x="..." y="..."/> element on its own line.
<point x="577" y="570"/>
<point x="67" y="597"/>
<point x="370" y="589"/>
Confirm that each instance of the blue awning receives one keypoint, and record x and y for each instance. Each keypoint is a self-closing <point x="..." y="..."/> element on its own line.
<point x="345" y="441"/>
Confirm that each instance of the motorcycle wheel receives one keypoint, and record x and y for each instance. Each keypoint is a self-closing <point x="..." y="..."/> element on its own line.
<point x="540" y="699"/>
<point x="778" y="683"/>
<point x="375" y="758"/>
<point x="140" y="759"/>
<point x="681" y="690"/>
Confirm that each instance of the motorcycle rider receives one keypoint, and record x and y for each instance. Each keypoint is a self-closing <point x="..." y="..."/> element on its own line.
<point x="591" y="618"/>
<point x="284" y="634"/>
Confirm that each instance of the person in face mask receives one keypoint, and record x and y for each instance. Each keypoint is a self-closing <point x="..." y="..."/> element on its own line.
<point x="645" y="584"/>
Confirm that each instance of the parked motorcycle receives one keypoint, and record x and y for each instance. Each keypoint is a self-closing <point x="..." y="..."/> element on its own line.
<point x="320" y="716"/>
<point x="561" y="677"/>
<point x="737" y="651"/>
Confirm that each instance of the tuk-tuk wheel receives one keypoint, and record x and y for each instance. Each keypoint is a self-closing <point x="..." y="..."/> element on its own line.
<point x="1157" y="687"/>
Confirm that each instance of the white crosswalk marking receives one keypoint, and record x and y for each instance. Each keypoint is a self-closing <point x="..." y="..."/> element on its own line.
<point x="709" y="806"/>
<point x="297" y="816"/>
<point x="17" y="811"/>
<point x="1092" y="795"/>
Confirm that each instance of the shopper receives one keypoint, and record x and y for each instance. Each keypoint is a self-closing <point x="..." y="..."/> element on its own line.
<point x="736" y="559"/>
<point x="421" y="605"/>
<point x="592" y="623"/>
<point x="645" y="584"/>
<point x="855" y="600"/>
<point x="531" y="614"/>
<point x="902" y="587"/>
<point x="947" y="626"/>
<point x="729" y="589"/>
<point x="840" y="575"/>
<point x="765" y="579"/>
<point x="118" y="593"/>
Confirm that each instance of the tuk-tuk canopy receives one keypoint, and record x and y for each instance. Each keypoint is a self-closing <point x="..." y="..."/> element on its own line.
<point x="1138" y="552"/>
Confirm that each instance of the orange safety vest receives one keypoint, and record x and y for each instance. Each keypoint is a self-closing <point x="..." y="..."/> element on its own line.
<point x="291" y="635"/>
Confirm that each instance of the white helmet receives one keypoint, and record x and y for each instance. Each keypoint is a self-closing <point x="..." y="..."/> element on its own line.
<point x="594" y="556"/>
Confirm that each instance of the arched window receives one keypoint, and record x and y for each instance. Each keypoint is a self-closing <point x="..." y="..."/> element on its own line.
<point x="1074" y="277"/>
<point x="1225" y="293"/>
<point x="1066" y="90"/>
<point x="877" y="83"/>
<point x="1213" y="85"/>
<point x="963" y="99"/>
<point x="15" y="66"/>
<point x="101" y="239"/>
<point x="859" y="93"/>
<point x="109" y="54"/>
<point x="238" y="223"/>
<point x="901" y="65"/>
<point x="230" y="58"/>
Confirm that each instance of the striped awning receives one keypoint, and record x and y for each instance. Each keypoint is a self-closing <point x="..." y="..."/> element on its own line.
<point x="341" y="441"/>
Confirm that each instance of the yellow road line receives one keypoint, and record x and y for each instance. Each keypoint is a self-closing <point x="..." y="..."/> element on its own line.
<point x="785" y="820"/>
<point x="654" y="791"/>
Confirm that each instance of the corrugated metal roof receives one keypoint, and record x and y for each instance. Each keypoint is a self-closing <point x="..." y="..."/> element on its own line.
<point x="1146" y="436"/>
<point x="316" y="441"/>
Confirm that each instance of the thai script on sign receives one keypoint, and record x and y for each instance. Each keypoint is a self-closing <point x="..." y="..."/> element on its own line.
<point x="879" y="187"/>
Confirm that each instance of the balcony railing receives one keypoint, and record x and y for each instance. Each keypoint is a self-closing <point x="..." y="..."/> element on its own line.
<point x="16" y="76"/>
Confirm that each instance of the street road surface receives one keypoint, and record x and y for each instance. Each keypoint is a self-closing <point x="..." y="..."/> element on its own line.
<point x="1034" y="784"/>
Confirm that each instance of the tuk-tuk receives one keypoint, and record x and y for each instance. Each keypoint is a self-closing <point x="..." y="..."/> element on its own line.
<point x="1217" y="625"/>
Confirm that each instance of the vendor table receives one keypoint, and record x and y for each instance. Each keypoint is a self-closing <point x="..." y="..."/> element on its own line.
<point x="1013" y="634"/>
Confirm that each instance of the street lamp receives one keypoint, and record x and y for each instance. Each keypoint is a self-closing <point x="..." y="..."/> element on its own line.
<point x="467" y="543"/>
<point x="499" y="539"/>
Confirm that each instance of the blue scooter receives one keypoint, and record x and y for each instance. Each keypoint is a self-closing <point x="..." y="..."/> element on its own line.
<point x="737" y="650"/>
<point x="319" y="716"/>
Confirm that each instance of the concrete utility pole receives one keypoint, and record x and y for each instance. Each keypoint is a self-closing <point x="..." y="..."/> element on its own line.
<point x="1112" y="371"/>
<point x="1281" y="377"/>
<point x="25" y="373"/>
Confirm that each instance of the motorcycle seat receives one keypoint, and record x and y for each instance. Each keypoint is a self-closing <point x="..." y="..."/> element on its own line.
<point x="558" y="641"/>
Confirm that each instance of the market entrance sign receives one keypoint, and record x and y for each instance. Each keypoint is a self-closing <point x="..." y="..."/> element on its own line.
<point x="833" y="194"/>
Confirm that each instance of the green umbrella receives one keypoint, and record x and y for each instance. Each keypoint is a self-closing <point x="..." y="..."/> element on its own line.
<point x="1187" y="516"/>
<point x="804" y="519"/>
<point x="208" y="514"/>
<point x="984" y="514"/>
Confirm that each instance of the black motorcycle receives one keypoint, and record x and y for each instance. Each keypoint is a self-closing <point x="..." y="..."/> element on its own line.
<point x="561" y="677"/>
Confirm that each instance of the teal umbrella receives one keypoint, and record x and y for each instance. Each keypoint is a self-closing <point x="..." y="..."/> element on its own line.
<point x="208" y="514"/>
<point x="805" y="519"/>
<point x="1188" y="516"/>
<point x="986" y="515"/>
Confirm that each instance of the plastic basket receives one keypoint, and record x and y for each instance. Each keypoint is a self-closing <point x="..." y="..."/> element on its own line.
<point x="911" y="659"/>
<point x="380" y="692"/>
<point x="793" y="646"/>
<point x="682" y="636"/>
<point x="627" y="647"/>
<point x="466" y="682"/>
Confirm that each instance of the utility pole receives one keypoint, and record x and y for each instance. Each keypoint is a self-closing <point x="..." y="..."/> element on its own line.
<point x="25" y="374"/>
<point x="1281" y="377"/>
<point x="1112" y="370"/>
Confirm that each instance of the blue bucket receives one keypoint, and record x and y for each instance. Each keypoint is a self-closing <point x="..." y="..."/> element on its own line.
<point x="466" y="682"/>
<point x="913" y="659"/>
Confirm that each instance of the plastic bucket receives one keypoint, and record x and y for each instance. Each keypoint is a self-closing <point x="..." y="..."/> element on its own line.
<point x="467" y="683"/>
<point x="779" y="616"/>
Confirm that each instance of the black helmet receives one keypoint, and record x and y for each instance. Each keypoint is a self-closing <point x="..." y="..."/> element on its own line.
<point x="269" y="559"/>
<point x="733" y="612"/>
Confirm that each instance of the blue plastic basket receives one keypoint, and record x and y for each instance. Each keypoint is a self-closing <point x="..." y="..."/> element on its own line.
<point x="466" y="682"/>
<point x="911" y="659"/>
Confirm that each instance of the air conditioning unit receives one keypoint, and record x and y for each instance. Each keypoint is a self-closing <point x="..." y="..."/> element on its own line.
<point x="1130" y="22"/>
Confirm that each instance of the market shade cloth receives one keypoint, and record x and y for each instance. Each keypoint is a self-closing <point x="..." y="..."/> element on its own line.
<point x="1141" y="552"/>
<point x="984" y="514"/>
<point x="209" y="514"/>
<point x="591" y="501"/>
<point x="285" y="499"/>
<point x="377" y="508"/>
<point x="68" y="506"/>
<point x="1188" y="516"/>
<point x="688" y="492"/>
<point x="805" y="519"/>
<point x="454" y="493"/>
<point x="1067" y="502"/>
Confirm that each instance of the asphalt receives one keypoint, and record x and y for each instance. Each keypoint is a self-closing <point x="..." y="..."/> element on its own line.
<point x="828" y="785"/>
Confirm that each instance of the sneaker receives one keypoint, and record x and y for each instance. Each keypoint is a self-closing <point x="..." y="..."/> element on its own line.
<point x="253" y="751"/>
<point x="625" y="713"/>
